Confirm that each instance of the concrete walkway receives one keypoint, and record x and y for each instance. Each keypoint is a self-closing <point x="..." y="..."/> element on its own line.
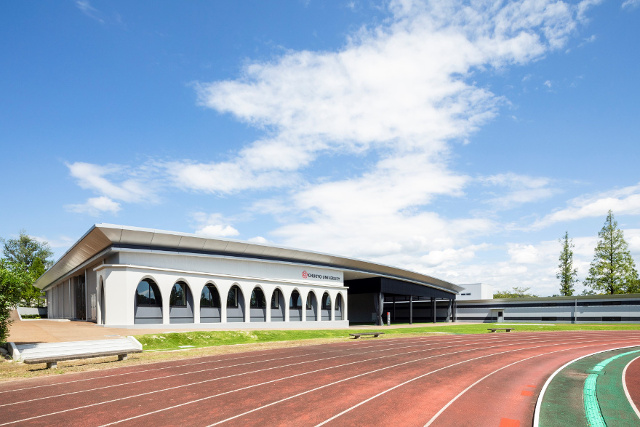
<point x="42" y="330"/>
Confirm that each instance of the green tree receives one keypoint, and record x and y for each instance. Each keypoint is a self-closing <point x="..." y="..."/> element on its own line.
<point x="612" y="270"/>
<point x="516" y="292"/>
<point x="32" y="258"/>
<point x="25" y="249"/>
<point x="13" y="280"/>
<point x="566" y="273"/>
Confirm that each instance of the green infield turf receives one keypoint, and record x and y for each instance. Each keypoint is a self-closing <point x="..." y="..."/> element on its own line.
<point x="175" y="341"/>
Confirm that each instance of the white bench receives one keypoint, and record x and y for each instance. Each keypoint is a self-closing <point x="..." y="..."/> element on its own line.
<point x="52" y="353"/>
<point x="358" y="335"/>
<point x="501" y="329"/>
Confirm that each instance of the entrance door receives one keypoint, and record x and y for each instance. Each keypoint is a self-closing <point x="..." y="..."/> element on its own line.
<point x="500" y="316"/>
<point x="102" y="304"/>
<point x="81" y="309"/>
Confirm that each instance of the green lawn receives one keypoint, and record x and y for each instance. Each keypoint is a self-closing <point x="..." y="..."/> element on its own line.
<point x="174" y="341"/>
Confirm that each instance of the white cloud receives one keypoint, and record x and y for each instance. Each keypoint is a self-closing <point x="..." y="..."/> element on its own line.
<point x="520" y="189"/>
<point x="89" y="10"/>
<point x="402" y="86"/>
<point x="621" y="201"/>
<point x="398" y="94"/>
<point x="258" y="239"/>
<point x="94" y="206"/>
<point x="213" y="225"/>
<point x="217" y="230"/>
<point x="60" y="242"/>
<point x="94" y="177"/>
<point x="113" y="183"/>
<point x="630" y="4"/>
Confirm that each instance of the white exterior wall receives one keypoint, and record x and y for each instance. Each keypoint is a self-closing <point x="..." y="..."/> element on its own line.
<point x="625" y="309"/>
<point x="475" y="291"/>
<point x="121" y="281"/>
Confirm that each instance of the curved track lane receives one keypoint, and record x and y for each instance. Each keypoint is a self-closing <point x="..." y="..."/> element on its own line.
<point x="491" y="379"/>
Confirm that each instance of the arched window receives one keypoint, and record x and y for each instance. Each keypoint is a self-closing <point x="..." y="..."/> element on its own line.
<point x="232" y="297"/>
<point x="257" y="299"/>
<point x="147" y="294"/>
<point x="275" y="299"/>
<point x="148" y="305"/>
<point x="295" y="301"/>
<point x="326" y="302"/>
<point x="178" y="296"/>
<point x="310" y="299"/>
<point x="338" y="313"/>
<point x="209" y="296"/>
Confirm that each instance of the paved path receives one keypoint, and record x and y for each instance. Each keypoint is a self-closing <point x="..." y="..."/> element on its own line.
<point x="43" y="330"/>
<point x="479" y="380"/>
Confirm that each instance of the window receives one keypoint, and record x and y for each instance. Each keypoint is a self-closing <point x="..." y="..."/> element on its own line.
<point x="147" y="294"/>
<point x="178" y="296"/>
<point x="275" y="299"/>
<point x="310" y="299"/>
<point x="232" y="297"/>
<point x="295" y="301"/>
<point x="257" y="299"/>
<point x="326" y="302"/>
<point x="209" y="297"/>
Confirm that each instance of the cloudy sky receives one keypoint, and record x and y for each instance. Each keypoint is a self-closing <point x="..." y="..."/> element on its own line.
<point x="456" y="138"/>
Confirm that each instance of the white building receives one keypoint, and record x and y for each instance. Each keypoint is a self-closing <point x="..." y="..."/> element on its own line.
<point x="128" y="276"/>
<point x="475" y="291"/>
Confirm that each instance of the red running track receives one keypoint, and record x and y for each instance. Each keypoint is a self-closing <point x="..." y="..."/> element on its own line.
<point x="632" y="382"/>
<point x="479" y="380"/>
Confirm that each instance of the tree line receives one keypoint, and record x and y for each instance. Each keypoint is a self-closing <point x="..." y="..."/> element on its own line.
<point x="612" y="271"/>
<point x="23" y="260"/>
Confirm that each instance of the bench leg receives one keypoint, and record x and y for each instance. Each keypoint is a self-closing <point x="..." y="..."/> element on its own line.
<point x="122" y="357"/>
<point x="52" y="365"/>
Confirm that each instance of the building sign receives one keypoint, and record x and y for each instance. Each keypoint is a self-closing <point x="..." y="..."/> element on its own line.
<point x="311" y="275"/>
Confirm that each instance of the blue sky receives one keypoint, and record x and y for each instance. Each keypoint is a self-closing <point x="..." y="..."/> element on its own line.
<point x="458" y="139"/>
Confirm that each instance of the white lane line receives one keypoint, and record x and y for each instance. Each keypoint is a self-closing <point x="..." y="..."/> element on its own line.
<point x="192" y="363"/>
<point x="269" y="382"/>
<point x="488" y="375"/>
<point x="536" y="413"/>
<point x="196" y="372"/>
<point x="63" y="383"/>
<point x="626" y="390"/>
<point x="345" y="354"/>
<point x="422" y="376"/>
<point x="258" y="354"/>
<point x="214" y="379"/>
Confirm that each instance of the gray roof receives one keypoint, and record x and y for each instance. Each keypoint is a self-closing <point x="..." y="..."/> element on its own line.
<point x="102" y="236"/>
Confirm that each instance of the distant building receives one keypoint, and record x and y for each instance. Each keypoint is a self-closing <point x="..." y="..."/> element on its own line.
<point x="575" y="309"/>
<point x="475" y="291"/>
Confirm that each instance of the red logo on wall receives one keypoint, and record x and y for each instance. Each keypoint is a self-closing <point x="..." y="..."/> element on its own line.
<point x="305" y="275"/>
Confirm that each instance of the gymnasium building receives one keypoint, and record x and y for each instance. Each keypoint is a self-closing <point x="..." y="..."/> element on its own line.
<point x="136" y="277"/>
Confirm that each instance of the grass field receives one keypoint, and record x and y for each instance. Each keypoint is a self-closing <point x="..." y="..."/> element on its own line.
<point x="198" y="339"/>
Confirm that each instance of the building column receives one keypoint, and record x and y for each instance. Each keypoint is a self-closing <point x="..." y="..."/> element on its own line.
<point x="196" y="302"/>
<point x="411" y="309"/>
<point x="455" y="311"/>
<point x="345" y="304"/>
<point x="449" y="310"/>
<point x="434" y="308"/>
<point x="394" y="309"/>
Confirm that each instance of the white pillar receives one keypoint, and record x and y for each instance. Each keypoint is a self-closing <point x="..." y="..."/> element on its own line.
<point x="196" y="300"/>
